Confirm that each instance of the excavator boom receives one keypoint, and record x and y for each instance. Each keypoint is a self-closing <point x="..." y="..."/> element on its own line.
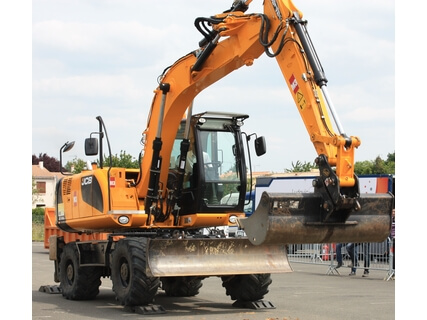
<point x="237" y="39"/>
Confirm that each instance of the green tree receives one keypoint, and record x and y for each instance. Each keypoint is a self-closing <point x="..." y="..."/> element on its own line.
<point x="123" y="160"/>
<point x="390" y="163"/>
<point x="363" y="167"/>
<point x="50" y="163"/>
<point x="75" y="166"/>
<point x="376" y="166"/>
<point x="301" y="167"/>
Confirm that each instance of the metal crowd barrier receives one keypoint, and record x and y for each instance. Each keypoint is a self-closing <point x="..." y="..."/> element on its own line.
<point x="380" y="256"/>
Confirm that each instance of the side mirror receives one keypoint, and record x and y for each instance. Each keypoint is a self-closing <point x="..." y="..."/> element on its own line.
<point x="91" y="146"/>
<point x="66" y="147"/>
<point x="260" y="146"/>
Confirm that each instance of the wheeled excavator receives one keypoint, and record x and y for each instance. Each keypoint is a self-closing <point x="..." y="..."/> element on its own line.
<point x="190" y="164"/>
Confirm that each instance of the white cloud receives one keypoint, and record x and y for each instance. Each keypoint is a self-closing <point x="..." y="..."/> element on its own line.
<point x="104" y="57"/>
<point x="105" y="38"/>
<point x="101" y="86"/>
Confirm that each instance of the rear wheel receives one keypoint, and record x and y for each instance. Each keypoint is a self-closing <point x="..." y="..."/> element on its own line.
<point x="77" y="283"/>
<point x="248" y="287"/>
<point x="131" y="284"/>
<point x="181" y="286"/>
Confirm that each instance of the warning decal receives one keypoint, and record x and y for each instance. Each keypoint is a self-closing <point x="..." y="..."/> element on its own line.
<point x="294" y="84"/>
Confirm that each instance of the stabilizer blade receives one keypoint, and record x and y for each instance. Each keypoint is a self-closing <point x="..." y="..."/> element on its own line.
<point x="214" y="257"/>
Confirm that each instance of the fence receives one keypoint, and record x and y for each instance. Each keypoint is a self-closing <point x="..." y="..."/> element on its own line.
<point x="371" y="256"/>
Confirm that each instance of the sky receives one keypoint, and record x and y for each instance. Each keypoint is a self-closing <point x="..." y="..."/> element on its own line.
<point x="102" y="58"/>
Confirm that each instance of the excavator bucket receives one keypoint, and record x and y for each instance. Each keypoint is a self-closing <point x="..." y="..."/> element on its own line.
<point x="284" y="218"/>
<point x="214" y="257"/>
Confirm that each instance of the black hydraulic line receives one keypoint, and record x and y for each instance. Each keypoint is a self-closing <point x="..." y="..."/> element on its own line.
<point x="205" y="54"/>
<point x="316" y="66"/>
<point x="153" y="185"/>
<point x="201" y="26"/>
<point x="313" y="59"/>
<point x="185" y="146"/>
<point x="238" y="5"/>
<point x="156" y="162"/>
<point x="211" y="37"/>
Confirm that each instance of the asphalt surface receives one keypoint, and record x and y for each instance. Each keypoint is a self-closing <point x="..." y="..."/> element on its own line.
<point x="307" y="293"/>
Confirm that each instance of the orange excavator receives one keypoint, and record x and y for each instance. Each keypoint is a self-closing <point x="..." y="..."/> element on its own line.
<point x="192" y="164"/>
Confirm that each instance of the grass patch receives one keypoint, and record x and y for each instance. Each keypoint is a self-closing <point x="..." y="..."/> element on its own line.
<point x="38" y="231"/>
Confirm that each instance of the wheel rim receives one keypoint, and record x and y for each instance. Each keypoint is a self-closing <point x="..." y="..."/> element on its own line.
<point x="70" y="273"/>
<point x="124" y="273"/>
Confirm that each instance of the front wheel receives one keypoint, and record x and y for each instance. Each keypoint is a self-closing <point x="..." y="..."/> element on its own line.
<point x="77" y="283"/>
<point x="131" y="284"/>
<point x="247" y="287"/>
<point x="181" y="286"/>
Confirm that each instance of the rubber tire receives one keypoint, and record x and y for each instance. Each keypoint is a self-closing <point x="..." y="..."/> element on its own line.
<point x="131" y="284"/>
<point x="250" y="287"/>
<point x="77" y="283"/>
<point x="181" y="286"/>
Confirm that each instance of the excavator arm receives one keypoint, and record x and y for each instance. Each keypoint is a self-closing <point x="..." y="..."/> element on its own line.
<point x="234" y="39"/>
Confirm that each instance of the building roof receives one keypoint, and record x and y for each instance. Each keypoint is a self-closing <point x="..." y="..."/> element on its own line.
<point x="39" y="171"/>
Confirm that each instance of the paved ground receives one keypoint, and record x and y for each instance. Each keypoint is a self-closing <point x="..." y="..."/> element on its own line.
<point x="308" y="293"/>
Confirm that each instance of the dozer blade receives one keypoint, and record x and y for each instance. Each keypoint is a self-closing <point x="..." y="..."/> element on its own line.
<point x="214" y="257"/>
<point x="284" y="218"/>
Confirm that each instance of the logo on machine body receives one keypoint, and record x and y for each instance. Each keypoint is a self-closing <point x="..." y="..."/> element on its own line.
<point x="86" y="180"/>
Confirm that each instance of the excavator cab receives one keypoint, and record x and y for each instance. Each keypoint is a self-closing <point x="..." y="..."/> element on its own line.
<point x="215" y="167"/>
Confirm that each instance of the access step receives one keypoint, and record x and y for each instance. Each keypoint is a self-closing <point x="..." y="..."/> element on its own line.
<point x="259" y="304"/>
<point x="50" y="289"/>
<point x="149" y="309"/>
